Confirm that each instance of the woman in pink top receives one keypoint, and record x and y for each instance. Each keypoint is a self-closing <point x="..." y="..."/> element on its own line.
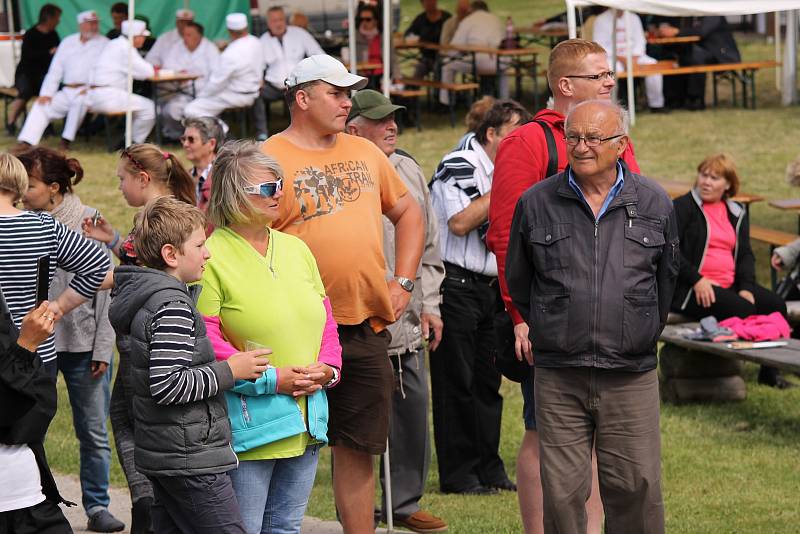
<point x="717" y="272"/>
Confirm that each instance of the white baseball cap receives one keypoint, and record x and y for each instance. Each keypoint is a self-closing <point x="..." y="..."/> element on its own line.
<point x="326" y="68"/>
<point x="87" y="16"/>
<point x="236" y="21"/>
<point x="134" y="27"/>
<point x="184" y="14"/>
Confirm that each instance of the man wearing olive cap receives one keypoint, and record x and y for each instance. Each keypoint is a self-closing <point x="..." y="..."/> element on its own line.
<point x="373" y="117"/>
<point x="337" y="188"/>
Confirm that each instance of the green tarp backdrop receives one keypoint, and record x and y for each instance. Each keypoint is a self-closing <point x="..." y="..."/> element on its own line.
<point x="161" y="14"/>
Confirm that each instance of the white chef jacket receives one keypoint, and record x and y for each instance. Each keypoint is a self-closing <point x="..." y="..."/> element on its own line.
<point x="111" y="69"/>
<point x="72" y="62"/>
<point x="240" y="68"/>
<point x="158" y="54"/>
<point x="282" y="57"/>
<point x="202" y="61"/>
<point x="604" y="28"/>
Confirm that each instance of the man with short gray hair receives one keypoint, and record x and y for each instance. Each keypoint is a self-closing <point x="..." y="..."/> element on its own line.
<point x="592" y="263"/>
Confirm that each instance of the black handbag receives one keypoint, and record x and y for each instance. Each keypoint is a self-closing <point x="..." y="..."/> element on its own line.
<point x="505" y="357"/>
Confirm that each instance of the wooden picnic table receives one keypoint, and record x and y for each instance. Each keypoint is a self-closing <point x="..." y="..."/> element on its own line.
<point x="541" y="32"/>
<point x="788" y="204"/>
<point x="178" y="81"/>
<point x="786" y="358"/>
<point x="515" y="58"/>
<point x="675" y="188"/>
<point x="678" y="39"/>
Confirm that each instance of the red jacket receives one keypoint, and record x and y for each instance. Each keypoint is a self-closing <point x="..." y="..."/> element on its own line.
<point x="521" y="162"/>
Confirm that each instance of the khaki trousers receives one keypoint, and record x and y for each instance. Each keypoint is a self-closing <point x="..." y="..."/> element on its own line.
<point x="618" y="412"/>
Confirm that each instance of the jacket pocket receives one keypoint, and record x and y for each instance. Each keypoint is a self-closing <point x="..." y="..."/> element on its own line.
<point x="550" y="323"/>
<point x="551" y="246"/>
<point x="640" y="324"/>
<point x="642" y="248"/>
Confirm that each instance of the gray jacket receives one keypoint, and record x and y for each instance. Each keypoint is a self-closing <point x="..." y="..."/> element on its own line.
<point x="172" y="439"/>
<point x="406" y="331"/>
<point x="86" y="328"/>
<point x="595" y="294"/>
<point x="789" y="254"/>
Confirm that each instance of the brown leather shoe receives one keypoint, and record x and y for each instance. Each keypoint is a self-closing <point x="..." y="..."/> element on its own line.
<point x="422" y="521"/>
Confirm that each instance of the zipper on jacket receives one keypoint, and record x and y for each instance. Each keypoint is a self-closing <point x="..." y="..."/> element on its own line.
<point x="245" y="412"/>
<point x="596" y="291"/>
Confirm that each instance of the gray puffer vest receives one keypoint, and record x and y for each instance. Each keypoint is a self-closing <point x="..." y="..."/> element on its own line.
<point x="175" y="439"/>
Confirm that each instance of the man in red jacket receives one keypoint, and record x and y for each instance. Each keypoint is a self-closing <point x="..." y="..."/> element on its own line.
<point x="577" y="71"/>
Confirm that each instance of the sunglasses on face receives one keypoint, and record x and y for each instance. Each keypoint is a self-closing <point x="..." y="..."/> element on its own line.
<point x="367" y="19"/>
<point x="265" y="189"/>
<point x="188" y="139"/>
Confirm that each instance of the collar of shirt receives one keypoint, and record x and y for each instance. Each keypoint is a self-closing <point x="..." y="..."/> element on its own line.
<point x="483" y="158"/>
<point x="612" y="193"/>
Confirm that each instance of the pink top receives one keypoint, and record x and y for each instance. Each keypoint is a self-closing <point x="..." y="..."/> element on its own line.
<point x="718" y="264"/>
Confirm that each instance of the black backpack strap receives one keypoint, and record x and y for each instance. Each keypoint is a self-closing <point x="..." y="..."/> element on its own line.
<point x="552" y="150"/>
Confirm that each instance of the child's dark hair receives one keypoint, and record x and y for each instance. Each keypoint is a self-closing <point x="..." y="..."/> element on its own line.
<point x="52" y="167"/>
<point x="161" y="167"/>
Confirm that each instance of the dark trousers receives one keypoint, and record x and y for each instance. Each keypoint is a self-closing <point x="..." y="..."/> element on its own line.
<point x="409" y="443"/>
<point x="728" y="303"/>
<point x="618" y="412"/>
<point x="269" y="93"/>
<point x="467" y="406"/>
<point x="122" y="425"/>
<point x="43" y="518"/>
<point x="202" y="504"/>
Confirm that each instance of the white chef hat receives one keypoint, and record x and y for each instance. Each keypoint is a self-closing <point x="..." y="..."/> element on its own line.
<point x="134" y="27"/>
<point x="236" y="21"/>
<point x="184" y="14"/>
<point x="87" y="16"/>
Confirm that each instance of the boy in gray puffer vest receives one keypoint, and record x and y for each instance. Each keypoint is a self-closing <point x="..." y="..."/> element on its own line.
<point x="182" y="431"/>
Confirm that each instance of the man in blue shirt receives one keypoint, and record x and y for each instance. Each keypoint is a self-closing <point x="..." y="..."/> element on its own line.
<point x="592" y="262"/>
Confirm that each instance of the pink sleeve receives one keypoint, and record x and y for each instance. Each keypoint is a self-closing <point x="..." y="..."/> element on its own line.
<point x="222" y="348"/>
<point x="330" y="351"/>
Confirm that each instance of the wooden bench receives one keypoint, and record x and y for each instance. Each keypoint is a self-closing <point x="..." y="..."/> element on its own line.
<point x="692" y="371"/>
<point x="410" y="95"/>
<point x="468" y="87"/>
<point x="743" y="72"/>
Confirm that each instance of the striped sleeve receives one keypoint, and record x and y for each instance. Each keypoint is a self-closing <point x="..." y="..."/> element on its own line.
<point x="172" y="379"/>
<point x="78" y="255"/>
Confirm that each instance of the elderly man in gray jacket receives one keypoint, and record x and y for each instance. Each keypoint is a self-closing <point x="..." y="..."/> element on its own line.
<point x="592" y="261"/>
<point x="372" y="117"/>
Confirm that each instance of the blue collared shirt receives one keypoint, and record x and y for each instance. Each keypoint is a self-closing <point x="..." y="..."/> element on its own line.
<point x="612" y="194"/>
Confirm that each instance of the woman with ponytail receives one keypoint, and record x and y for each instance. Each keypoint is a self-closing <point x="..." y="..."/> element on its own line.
<point x="84" y="337"/>
<point x="145" y="173"/>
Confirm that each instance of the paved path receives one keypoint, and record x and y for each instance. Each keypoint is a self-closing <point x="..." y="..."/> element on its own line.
<point x="70" y="488"/>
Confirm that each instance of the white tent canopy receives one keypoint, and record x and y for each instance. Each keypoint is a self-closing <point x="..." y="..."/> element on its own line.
<point x="686" y="8"/>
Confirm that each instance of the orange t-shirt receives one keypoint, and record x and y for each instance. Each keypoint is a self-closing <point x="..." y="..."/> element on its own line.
<point x="333" y="200"/>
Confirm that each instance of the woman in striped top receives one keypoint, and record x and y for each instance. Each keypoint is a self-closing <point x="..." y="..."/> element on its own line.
<point x="25" y="237"/>
<point x="145" y="173"/>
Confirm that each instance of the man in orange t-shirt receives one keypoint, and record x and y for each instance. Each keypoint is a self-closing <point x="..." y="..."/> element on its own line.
<point x="337" y="188"/>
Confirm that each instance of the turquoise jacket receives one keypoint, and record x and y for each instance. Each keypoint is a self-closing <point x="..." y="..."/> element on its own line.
<point x="259" y="415"/>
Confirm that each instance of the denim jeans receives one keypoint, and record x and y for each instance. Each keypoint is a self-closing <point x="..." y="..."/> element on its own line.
<point x="89" y="398"/>
<point x="273" y="494"/>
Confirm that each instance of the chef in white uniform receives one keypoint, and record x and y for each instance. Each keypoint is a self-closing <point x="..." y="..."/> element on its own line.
<point x="71" y="66"/>
<point x="109" y="85"/>
<point x="236" y="80"/>
<point x="193" y="54"/>
<point x="157" y="55"/>
<point x="284" y="47"/>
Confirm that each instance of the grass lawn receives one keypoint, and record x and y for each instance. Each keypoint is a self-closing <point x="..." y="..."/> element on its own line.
<point x="726" y="468"/>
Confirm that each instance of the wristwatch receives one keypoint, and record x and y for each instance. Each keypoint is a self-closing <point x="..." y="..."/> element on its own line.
<point x="405" y="283"/>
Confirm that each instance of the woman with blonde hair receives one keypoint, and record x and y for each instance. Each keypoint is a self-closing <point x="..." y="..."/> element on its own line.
<point x="717" y="270"/>
<point x="262" y="288"/>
